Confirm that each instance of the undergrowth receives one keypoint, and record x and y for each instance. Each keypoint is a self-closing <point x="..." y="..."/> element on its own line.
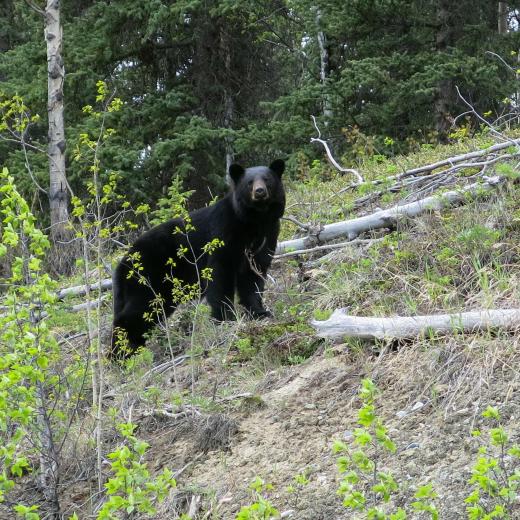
<point x="462" y="258"/>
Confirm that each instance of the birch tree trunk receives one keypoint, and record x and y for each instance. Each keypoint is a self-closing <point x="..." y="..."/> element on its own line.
<point x="502" y="17"/>
<point x="58" y="188"/>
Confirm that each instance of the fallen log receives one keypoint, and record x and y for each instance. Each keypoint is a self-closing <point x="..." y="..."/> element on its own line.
<point x="326" y="247"/>
<point x="81" y="290"/>
<point x="347" y="228"/>
<point x="341" y="325"/>
<point x="450" y="162"/>
<point x="388" y="217"/>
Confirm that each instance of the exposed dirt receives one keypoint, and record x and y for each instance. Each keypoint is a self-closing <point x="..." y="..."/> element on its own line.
<point x="308" y="406"/>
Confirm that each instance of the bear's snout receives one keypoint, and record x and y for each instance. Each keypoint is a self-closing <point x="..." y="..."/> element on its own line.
<point x="259" y="191"/>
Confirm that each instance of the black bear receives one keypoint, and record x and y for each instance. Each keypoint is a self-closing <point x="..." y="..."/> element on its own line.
<point x="244" y="226"/>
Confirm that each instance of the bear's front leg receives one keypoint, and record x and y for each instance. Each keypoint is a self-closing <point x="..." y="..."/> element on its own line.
<point x="251" y="283"/>
<point x="221" y="290"/>
<point x="250" y="287"/>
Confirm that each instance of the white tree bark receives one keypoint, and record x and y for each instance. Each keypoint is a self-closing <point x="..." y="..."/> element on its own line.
<point x="450" y="161"/>
<point x="388" y="217"/>
<point x="340" y="325"/>
<point x="58" y="188"/>
<point x="81" y="290"/>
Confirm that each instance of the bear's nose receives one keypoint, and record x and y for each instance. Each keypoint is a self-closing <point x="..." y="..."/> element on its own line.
<point x="260" y="192"/>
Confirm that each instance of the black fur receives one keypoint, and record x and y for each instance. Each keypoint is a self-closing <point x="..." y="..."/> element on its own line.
<point x="247" y="220"/>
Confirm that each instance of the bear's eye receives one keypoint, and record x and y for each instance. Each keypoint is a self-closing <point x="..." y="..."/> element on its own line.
<point x="250" y="183"/>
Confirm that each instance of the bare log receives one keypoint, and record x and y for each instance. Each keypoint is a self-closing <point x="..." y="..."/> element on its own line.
<point x="341" y="325"/>
<point x="450" y="162"/>
<point x="87" y="305"/>
<point x="81" y="290"/>
<point x="326" y="247"/>
<point x="388" y="217"/>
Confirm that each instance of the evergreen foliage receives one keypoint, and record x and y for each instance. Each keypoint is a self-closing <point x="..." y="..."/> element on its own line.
<point x="201" y="78"/>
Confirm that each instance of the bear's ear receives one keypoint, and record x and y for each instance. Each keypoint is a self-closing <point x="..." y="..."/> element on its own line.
<point x="235" y="172"/>
<point x="278" y="167"/>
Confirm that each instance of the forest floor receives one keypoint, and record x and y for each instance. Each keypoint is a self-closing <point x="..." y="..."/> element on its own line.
<point x="268" y="399"/>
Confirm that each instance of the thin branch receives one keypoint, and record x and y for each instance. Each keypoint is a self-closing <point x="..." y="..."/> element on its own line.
<point x="483" y="120"/>
<point x="326" y="247"/>
<point x="503" y="61"/>
<point x="333" y="161"/>
<point x="35" y="8"/>
<point x="301" y="225"/>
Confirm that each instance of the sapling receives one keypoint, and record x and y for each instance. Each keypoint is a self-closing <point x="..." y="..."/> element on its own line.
<point x="365" y="487"/>
<point x="261" y="508"/>
<point x="495" y="476"/>
<point x="131" y="489"/>
<point x="30" y="388"/>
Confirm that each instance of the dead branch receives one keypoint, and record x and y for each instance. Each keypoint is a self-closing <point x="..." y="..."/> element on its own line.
<point x="87" y="305"/>
<point x="427" y="183"/>
<point x="326" y="247"/>
<point x="170" y="413"/>
<point x="490" y="127"/>
<point x="333" y="161"/>
<point x="450" y="162"/>
<point x="81" y="290"/>
<point x="296" y="222"/>
<point x="388" y="217"/>
<point x="341" y="325"/>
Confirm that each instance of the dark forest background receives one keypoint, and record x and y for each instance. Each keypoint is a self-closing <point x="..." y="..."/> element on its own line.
<point x="205" y="82"/>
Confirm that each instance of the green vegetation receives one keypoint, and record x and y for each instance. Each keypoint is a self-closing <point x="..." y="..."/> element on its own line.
<point x="364" y="486"/>
<point x="496" y="473"/>
<point x="261" y="509"/>
<point x="159" y="95"/>
<point x="288" y="343"/>
<point x="131" y="488"/>
<point x="207" y="79"/>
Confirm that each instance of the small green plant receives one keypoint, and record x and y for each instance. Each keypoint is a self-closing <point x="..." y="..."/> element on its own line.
<point x="261" y="509"/>
<point x="495" y="477"/>
<point x="172" y="206"/>
<point x="364" y="486"/>
<point x="507" y="170"/>
<point x="479" y="237"/>
<point x="322" y="314"/>
<point x="132" y="489"/>
<point x="245" y="348"/>
<point x="299" y="482"/>
<point x="29" y="410"/>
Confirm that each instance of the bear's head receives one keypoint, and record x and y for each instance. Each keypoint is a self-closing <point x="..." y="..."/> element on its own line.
<point x="258" y="189"/>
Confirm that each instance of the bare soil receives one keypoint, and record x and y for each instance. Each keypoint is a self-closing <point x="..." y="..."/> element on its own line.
<point x="432" y="396"/>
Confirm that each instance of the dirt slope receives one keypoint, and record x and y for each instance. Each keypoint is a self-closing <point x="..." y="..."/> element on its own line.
<point x="432" y="396"/>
